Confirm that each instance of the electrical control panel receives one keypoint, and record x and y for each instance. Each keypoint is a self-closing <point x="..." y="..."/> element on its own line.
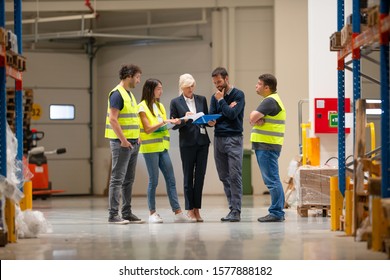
<point x="326" y="116"/>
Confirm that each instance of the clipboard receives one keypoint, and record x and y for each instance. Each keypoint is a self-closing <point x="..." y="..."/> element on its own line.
<point x="206" y="118"/>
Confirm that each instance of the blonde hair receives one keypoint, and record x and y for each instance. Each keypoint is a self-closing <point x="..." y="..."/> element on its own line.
<point x="186" y="80"/>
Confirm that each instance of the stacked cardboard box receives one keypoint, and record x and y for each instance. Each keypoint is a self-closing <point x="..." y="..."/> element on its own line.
<point x="314" y="185"/>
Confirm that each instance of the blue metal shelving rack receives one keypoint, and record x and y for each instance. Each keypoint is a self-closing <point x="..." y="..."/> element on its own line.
<point x="341" y="104"/>
<point x="385" y="93"/>
<point x="7" y="71"/>
<point x="359" y="40"/>
<point x="17" y="76"/>
<point x="3" y="105"/>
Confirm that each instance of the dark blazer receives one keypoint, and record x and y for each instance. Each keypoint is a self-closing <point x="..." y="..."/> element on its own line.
<point x="189" y="134"/>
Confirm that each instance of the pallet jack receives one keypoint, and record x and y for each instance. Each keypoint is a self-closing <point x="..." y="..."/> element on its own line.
<point x="37" y="163"/>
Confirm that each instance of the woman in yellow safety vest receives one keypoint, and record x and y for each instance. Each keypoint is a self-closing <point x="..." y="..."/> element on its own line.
<point x="154" y="136"/>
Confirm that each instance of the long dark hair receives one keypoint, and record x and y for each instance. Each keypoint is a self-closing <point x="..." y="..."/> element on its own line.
<point x="148" y="94"/>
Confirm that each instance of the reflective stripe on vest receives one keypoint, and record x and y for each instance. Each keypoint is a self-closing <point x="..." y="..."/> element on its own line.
<point x="128" y="117"/>
<point x="157" y="141"/>
<point x="272" y="131"/>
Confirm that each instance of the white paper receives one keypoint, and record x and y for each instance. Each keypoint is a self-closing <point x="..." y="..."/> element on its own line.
<point x="193" y="117"/>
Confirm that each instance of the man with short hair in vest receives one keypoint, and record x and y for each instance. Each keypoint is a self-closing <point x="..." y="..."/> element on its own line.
<point x="123" y="130"/>
<point x="267" y="136"/>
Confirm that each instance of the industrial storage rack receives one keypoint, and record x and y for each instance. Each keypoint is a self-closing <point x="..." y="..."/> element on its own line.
<point x="379" y="33"/>
<point x="8" y="71"/>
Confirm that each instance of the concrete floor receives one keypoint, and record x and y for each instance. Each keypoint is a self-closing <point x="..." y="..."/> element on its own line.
<point x="80" y="231"/>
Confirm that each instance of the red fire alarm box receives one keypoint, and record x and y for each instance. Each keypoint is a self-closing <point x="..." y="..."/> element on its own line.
<point x="326" y="116"/>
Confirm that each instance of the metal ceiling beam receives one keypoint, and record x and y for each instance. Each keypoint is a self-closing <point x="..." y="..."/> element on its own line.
<point x="89" y="33"/>
<point x="135" y="5"/>
<point x="203" y="20"/>
<point x="53" y="19"/>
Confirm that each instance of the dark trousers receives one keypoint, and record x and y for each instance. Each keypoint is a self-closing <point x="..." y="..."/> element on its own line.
<point x="194" y="163"/>
<point x="228" y="153"/>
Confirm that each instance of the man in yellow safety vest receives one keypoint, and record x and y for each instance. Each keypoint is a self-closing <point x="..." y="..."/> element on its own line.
<point x="123" y="130"/>
<point x="267" y="136"/>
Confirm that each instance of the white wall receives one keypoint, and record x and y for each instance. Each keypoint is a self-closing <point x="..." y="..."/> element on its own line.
<point x="291" y="69"/>
<point x="323" y="68"/>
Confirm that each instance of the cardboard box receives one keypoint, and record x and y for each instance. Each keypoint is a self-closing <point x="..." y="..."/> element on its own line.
<point x="314" y="185"/>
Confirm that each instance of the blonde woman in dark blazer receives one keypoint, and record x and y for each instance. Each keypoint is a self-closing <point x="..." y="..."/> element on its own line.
<point x="194" y="143"/>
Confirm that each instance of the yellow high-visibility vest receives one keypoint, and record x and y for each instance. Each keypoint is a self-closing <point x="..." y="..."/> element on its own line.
<point x="128" y="117"/>
<point x="156" y="141"/>
<point x="272" y="131"/>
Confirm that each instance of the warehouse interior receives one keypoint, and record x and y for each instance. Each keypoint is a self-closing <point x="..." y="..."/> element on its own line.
<point x="72" y="52"/>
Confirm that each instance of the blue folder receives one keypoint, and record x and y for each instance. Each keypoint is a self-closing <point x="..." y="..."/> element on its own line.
<point x="206" y="118"/>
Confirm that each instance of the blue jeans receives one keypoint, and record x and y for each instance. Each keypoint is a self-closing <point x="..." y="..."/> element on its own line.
<point x="269" y="168"/>
<point x="161" y="160"/>
<point x="228" y="153"/>
<point x="124" y="161"/>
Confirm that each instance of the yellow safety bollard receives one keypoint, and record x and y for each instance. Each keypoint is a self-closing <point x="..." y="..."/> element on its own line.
<point x="313" y="148"/>
<point x="10" y="220"/>
<point x="348" y="207"/>
<point x="371" y="126"/>
<point x="26" y="201"/>
<point x="376" y="223"/>
<point x="304" y="126"/>
<point x="336" y="204"/>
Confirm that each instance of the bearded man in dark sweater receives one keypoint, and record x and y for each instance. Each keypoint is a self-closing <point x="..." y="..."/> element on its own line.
<point x="228" y="139"/>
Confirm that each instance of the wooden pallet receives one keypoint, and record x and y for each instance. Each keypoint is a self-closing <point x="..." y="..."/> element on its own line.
<point x="3" y="36"/>
<point x="290" y="188"/>
<point x="335" y="42"/>
<point x="386" y="245"/>
<point x="16" y="61"/>
<point x="9" y="59"/>
<point x="373" y="16"/>
<point x="20" y="63"/>
<point x="3" y="238"/>
<point x="303" y="210"/>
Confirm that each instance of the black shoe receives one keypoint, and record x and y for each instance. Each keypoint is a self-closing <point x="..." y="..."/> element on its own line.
<point x="117" y="220"/>
<point x="270" y="219"/>
<point x="235" y="216"/>
<point x="133" y="219"/>
<point x="227" y="218"/>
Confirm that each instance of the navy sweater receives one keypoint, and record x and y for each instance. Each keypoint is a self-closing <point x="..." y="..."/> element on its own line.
<point x="231" y="122"/>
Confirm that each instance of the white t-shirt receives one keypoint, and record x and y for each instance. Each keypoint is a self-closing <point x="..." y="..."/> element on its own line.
<point x="155" y="110"/>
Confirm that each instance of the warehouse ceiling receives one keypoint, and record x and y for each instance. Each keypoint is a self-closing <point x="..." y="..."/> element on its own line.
<point x="54" y="25"/>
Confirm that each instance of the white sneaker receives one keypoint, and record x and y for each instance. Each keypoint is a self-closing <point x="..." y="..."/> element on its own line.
<point x="155" y="219"/>
<point x="183" y="218"/>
